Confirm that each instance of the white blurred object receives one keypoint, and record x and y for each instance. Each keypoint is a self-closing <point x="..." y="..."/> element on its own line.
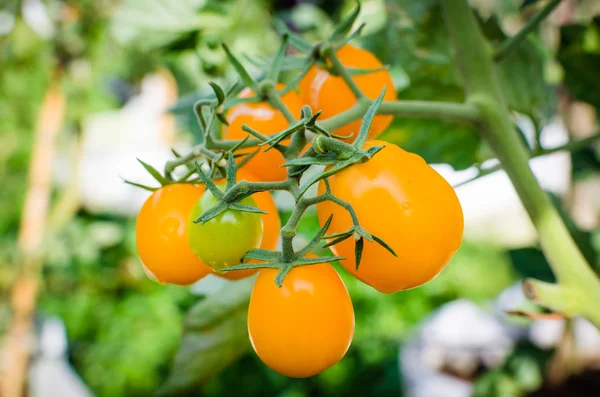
<point x="209" y="285"/>
<point x="585" y="203"/>
<point x="35" y="13"/>
<point x="112" y="142"/>
<point x="7" y="22"/>
<point x="457" y="338"/>
<point x="492" y="209"/>
<point x="546" y="334"/>
<point x="50" y="373"/>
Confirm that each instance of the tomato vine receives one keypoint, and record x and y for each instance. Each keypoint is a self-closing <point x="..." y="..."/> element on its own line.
<point x="483" y="107"/>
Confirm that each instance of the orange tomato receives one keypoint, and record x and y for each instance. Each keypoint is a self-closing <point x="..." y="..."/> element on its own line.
<point x="161" y="235"/>
<point x="330" y="94"/>
<point x="271" y="224"/>
<point x="265" y="119"/>
<point x="304" y="327"/>
<point x="401" y="199"/>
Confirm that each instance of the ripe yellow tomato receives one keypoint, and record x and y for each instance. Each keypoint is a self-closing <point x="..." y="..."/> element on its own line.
<point x="265" y="119"/>
<point x="401" y="199"/>
<point x="161" y="235"/>
<point x="330" y="94"/>
<point x="304" y="327"/>
<point x="271" y="224"/>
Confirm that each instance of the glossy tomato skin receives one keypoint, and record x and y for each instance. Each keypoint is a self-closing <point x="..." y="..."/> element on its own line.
<point x="401" y="199"/>
<point x="304" y="327"/>
<point x="222" y="241"/>
<point x="271" y="225"/>
<point x="330" y="94"/>
<point x="161" y="235"/>
<point x="264" y="118"/>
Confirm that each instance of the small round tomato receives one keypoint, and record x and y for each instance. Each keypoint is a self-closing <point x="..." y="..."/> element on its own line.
<point x="398" y="197"/>
<point x="331" y="95"/>
<point x="162" y="235"/>
<point x="270" y="220"/>
<point x="304" y="327"/>
<point x="265" y="119"/>
<point x="223" y="240"/>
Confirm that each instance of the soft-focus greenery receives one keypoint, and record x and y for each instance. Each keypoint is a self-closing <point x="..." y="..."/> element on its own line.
<point x="124" y="330"/>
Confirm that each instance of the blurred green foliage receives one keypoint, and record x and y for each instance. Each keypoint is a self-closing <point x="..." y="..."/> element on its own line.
<point x="129" y="336"/>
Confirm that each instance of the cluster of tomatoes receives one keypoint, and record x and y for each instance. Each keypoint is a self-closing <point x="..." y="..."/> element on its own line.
<point x="306" y="325"/>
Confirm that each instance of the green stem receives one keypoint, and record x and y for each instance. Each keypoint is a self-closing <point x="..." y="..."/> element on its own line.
<point x="462" y="112"/>
<point x="277" y="103"/>
<point x="288" y="231"/>
<point x="512" y="43"/>
<point x="475" y="65"/>
<point x="341" y="70"/>
<point x="323" y="144"/>
<point x="569" y="146"/>
<point x="244" y="188"/>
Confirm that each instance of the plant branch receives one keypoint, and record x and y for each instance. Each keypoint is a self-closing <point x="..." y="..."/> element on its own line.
<point x="511" y="43"/>
<point x="569" y="146"/>
<point x="277" y="103"/>
<point x="462" y="112"/>
<point x="340" y="69"/>
<point x="474" y="62"/>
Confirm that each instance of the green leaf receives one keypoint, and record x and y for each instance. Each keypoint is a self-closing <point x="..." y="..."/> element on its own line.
<point x="210" y="185"/>
<point x="152" y="24"/>
<point x="344" y="27"/>
<point x="260" y="254"/>
<point x="283" y="271"/>
<point x="155" y="174"/>
<point x="579" y="55"/>
<point x="295" y="40"/>
<point x="231" y="171"/>
<point x="149" y="188"/>
<point x="219" y="93"/>
<point x="246" y="208"/>
<point x="337" y="240"/>
<point x="244" y="75"/>
<point x="211" y="213"/>
<point x="367" y="120"/>
<point x="358" y="251"/>
<point x="521" y="74"/>
<point x="322" y="159"/>
<point x="384" y="244"/>
<point x="317" y="238"/>
<point x="350" y="37"/>
<point x="215" y="335"/>
<point x="277" y="62"/>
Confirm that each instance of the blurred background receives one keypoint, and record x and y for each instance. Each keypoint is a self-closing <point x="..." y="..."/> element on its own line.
<point x="87" y="86"/>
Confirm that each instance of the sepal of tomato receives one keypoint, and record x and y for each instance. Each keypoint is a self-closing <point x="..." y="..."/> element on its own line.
<point x="271" y="225"/>
<point x="399" y="198"/>
<point x="222" y="241"/>
<point x="304" y="327"/>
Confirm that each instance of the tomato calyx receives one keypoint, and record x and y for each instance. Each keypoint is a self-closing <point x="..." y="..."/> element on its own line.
<point x="285" y="260"/>
<point x="223" y="204"/>
<point x="358" y="233"/>
<point x="337" y="154"/>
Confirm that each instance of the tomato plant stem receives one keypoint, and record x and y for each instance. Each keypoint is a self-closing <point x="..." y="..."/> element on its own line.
<point x="463" y="112"/>
<point x="511" y="43"/>
<point x="339" y="68"/>
<point x="581" y="286"/>
<point x="277" y="103"/>
<point x="569" y="146"/>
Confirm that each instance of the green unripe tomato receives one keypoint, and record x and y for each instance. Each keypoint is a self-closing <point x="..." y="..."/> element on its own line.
<point x="222" y="241"/>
